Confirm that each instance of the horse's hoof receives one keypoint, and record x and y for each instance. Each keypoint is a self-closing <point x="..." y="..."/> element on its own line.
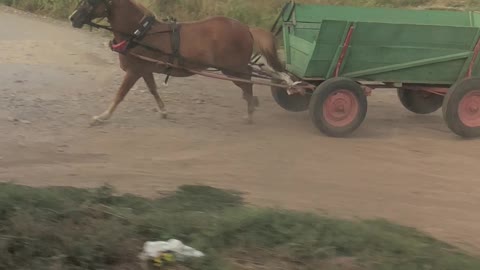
<point x="164" y="115"/>
<point x="96" y="121"/>
<point x="248" y="120"/>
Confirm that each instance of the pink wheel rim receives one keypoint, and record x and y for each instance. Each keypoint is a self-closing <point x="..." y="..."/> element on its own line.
<point x="469" y="109"/>
<point x="341" y="108"/>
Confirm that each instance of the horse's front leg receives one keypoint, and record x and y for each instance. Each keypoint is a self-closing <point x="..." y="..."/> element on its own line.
<point x="152" y="87"/>
<point x="128" y="82"/>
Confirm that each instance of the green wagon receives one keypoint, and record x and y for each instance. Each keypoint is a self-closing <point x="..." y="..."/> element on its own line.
<point x="430" y="57"/>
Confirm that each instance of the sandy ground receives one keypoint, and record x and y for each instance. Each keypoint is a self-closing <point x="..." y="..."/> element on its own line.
<point x="407" y="168"/>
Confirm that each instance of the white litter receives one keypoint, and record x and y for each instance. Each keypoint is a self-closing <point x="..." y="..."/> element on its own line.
<point x="152" y="250"/>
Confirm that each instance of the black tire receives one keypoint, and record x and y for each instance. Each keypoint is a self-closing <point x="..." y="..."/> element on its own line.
<point x="291" y="103"/>
<point x="451" y="106"/>
<point x="321" y="95"/>
<point x="419" y="102"/>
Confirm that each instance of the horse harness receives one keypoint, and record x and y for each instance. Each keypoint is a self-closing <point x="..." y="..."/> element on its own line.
<point x="135" y="39"/>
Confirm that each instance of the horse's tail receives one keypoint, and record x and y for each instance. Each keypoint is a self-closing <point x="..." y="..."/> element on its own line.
<point x="264" y="43"/>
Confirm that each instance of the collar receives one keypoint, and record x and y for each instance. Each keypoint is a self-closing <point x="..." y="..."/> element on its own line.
<point x="145" y="26"/>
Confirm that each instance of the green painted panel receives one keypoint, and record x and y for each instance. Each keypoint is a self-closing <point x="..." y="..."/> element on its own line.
<point x="318" y="68"/>
<point x="392" y="45"/>
<point x="324" y="52"/>
<point x="318" y="13"/>
<point x="307" y="31"/>
<point x="427" y="36"/>
<point x="298" y="60"/>
<point x="476" y="65"/>
<point x="376" y="56"/>
<point x="376" y="45"/>
<point x="438" y="73"/>
<point x="332" y="32"/>
<point x="301" y="45"/>
<point x="286" y="47"/>
<point x="406" y="65"/>
<point x="330" y="36"/>
<point x="475" y="19"/>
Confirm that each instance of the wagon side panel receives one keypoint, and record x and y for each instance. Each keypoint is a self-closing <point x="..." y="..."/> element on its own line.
<point x="318" y="13"/>
<point x="408" y="53"/>
<point x="300" y="44"/>
<point x="475" y="21"/>
<point x="327" y="50"/>
<point x="313" y="48"/>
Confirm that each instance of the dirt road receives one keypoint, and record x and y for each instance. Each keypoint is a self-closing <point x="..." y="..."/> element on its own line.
<point x="400" y="166"/>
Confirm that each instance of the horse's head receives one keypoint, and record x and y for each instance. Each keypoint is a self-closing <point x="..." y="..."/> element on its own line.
<point x="87" y="10"/>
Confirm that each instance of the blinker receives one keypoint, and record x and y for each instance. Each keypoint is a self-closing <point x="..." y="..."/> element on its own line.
<point x="73" y="13"/>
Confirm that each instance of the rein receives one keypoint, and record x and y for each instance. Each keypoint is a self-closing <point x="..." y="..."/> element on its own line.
<point x="222" y="77"/>
<point x="135" y="38"/>
<point x="146" y="23"/>
<point x="143" y="31"/>
<point x="105" y="27"/>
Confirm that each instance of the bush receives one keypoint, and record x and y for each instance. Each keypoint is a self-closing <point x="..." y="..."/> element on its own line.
<point x="260" y="13"/>
<point x="68" y="228"/>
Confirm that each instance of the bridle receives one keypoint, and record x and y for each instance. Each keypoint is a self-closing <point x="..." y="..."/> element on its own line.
<point x="131" y="39"/>
<point x="94" y="4"/>
<point x="135" y="38"/>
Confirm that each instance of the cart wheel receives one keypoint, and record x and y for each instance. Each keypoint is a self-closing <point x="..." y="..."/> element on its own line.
<point x="420" y="102"/>
<point x="338" y="107"/>
<point x="292" y="103"/>
<point x="461" y="108"/>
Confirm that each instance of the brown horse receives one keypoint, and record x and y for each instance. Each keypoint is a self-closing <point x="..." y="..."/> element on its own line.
<point x="219" y="42"/>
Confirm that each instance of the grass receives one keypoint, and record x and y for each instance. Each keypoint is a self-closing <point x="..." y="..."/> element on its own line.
<point x="68" y="228"/>
<point x="260" y="13"/>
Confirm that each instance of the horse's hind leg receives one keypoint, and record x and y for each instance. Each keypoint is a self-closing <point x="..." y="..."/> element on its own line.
<point x="152" y="87"/>
<point x="252" y="101"/>
<point x="247" y="89"/>
<point x="128" y="82"/>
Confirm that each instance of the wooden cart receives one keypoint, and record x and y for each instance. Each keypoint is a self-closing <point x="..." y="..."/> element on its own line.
<point x="431" y="57"/>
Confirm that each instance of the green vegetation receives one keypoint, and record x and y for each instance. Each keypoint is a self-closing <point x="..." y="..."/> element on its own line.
<point x="68" y="228"/>
<point x="254" y="12"/>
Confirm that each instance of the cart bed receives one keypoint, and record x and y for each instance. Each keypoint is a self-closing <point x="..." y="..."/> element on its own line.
<point x="386" y="45"/>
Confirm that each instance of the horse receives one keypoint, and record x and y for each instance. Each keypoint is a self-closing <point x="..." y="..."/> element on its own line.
<point x="218" y="42"/>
